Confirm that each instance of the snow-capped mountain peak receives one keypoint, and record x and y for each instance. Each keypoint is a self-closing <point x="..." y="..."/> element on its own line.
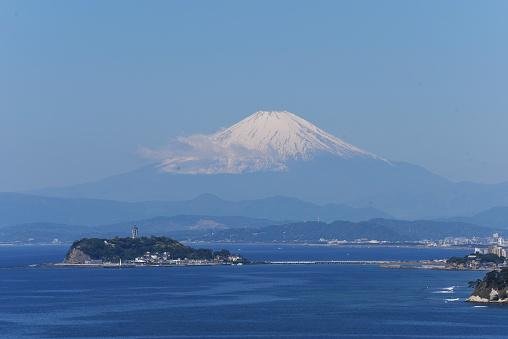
<point x="286" y="135"/>
<point x="265" y="140"/>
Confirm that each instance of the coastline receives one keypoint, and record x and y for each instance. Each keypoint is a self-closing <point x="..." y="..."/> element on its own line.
<point x="128" y="265"/>
<point x="432" y="262"/>
<point x="388" y="264"/>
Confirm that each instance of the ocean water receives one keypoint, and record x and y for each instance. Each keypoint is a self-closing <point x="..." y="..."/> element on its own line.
<point x="257" y="301"/>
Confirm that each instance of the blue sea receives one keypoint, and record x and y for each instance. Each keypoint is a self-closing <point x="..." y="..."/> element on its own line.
<point x="251" y="301"/>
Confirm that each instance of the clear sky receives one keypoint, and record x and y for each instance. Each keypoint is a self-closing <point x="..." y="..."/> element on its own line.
<point x="85" y="84"/>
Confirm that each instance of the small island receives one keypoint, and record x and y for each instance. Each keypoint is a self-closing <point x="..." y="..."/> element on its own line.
<point x="144" y="251"/>
<point x="493" y="288"/>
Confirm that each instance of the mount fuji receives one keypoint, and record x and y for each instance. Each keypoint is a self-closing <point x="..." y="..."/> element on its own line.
<point x="263" y="141"/>
<point x="273" y="153"/>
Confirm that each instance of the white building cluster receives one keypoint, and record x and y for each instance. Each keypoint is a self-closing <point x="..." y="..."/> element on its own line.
<point x="497" y="247"/>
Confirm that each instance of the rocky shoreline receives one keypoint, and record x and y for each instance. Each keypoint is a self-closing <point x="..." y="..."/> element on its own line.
<point x="477" y="299"/>
<point x="493" y="288"/>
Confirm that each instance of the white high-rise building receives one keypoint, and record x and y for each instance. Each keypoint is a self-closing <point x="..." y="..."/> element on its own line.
<point x="500" y="241"/>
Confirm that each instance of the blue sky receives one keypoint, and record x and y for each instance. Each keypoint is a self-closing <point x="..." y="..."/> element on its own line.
<point x="85" y="84"/>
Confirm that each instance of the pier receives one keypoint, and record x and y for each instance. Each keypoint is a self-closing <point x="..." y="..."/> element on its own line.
<point x="333" y="262"/>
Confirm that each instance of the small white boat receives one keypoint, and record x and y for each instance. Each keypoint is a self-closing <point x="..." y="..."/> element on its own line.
<point x="479" y="306"/>
<point x="451" y="288"/>
<point x="452" y="299"/>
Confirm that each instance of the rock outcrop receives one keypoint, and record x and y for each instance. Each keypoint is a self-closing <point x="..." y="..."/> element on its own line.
<point x="76" y="256"/>
<point x="492" y="288"/>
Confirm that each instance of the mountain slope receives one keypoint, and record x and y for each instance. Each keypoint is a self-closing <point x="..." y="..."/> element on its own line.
<point x="278" y="153"/>
<point x="402" y="190"/>
<point x="493" y="217"/>
<point x="18" y="208"/>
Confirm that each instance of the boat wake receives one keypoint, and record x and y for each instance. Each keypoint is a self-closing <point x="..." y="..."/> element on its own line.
<point x="446" y="290"/>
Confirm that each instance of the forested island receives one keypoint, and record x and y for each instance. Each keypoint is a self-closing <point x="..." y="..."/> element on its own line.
<point x="144" y="251"/>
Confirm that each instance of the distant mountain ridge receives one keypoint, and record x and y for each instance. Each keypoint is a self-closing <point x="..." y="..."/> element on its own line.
<point x="238" y="229"/>
<point x="46" y="231"/>
<point x="377" y="229"/>
<point x="16" y="208"/>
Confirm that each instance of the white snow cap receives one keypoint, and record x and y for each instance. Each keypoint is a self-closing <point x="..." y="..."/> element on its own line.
<point x="286" y="134"/>
<point x="265" y="140"/>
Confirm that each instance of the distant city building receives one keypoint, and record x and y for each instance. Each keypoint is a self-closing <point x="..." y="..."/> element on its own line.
<point x="494" y="249"/>
<point x="134" y="232"/>
<point x="498" y="250"/>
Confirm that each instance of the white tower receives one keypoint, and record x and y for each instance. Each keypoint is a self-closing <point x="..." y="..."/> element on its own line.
<point x="134" y="232"/>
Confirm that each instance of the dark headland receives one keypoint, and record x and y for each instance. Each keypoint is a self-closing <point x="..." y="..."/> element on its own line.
<point x="493" y="288"/>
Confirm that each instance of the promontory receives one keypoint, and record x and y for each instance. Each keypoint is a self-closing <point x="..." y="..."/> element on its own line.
<point x="493" y="288"/>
